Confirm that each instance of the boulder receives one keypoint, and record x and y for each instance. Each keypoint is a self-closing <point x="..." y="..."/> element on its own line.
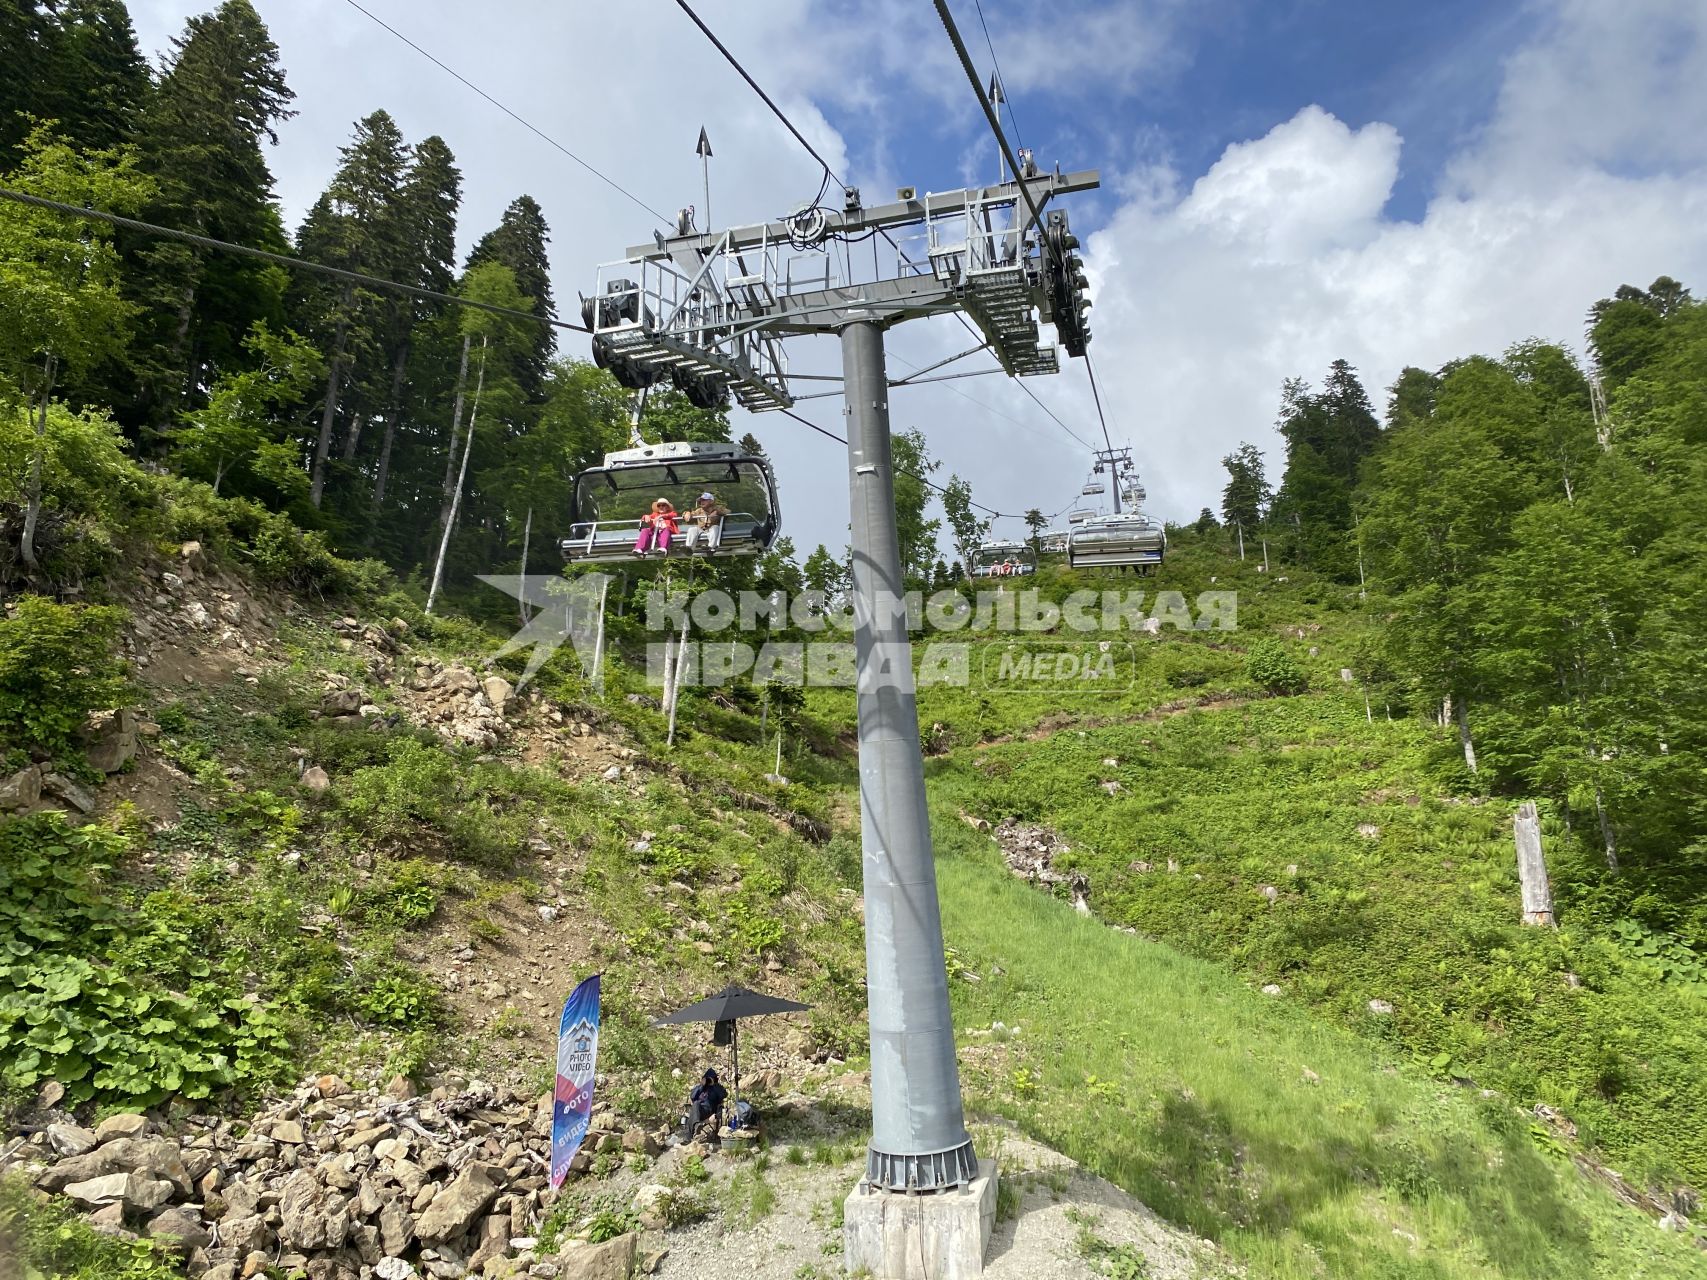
<point x="75" y="794"/>
<point x="454" y="1209"/>
<point x="22" y="789"/>
<point x="246" y="1234"/>
<point x="341" y="702"/>
<point x="153" y="1158"/>
<point x="498" y="691"/>
<point x="179" y="1228"/>
<point x="396" y="1229"/>
<point x="393" y="1269"/>
<point x="641" y="1141"/>
<point x="1381" y="1008"/>
<point x="125" y="1125"/>
<point x="651" y="1205"/>
<point x="110" y="740"/>
<point x="132" y="1190"/>
<point x="287" y="1131"/>
<point x="612" y="1260"/>
<point x="70" y="1139"/>
<point x="312" y="1217"/>
<point x="315" y="779"/>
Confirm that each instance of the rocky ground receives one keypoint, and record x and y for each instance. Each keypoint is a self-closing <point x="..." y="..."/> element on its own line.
<point x="338" y="1184"/>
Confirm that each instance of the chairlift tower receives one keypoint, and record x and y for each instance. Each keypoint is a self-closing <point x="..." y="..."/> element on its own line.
<point x="1118" y="464"/>
<point x="709" y="311"/>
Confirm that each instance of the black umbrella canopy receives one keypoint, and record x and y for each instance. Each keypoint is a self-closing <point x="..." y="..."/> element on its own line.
<point x="730" y="1003"/>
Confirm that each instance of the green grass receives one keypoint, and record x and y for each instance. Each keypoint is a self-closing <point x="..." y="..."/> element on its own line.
<point x="1371" y="1170"/>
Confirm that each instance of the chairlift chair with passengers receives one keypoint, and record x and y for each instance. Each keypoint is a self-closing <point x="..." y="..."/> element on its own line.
<point x="610" y="500"/>
<point x="1002" y="559"/>
<point x="1052" y="542"/>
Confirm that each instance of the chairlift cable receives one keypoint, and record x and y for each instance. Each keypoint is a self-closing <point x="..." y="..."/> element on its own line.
<point x="519" y="119"/>
<point x="1001" y="79"/>
<point x="1001" y="139"/>
<point x="279" y="259"/>
<point x="924" y="480"/>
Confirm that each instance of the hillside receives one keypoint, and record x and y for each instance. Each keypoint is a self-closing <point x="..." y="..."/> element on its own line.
<point x="395" y="866"/>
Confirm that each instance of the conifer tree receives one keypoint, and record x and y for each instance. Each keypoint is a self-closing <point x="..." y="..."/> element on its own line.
<point x="519" y="242"/>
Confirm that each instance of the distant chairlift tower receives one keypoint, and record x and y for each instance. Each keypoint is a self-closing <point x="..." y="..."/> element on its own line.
<point x="708" y="312"/>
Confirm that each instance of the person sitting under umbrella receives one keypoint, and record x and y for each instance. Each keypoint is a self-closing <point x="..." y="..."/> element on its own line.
<point x="704" y="1102"/>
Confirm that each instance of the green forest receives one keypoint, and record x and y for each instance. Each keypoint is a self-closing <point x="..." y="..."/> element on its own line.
<point x="1293" y="840"/>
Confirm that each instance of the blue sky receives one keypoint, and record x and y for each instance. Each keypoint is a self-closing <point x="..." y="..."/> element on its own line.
<point x="1284" y="183"/>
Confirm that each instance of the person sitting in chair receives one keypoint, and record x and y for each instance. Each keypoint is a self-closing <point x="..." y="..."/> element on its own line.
<point x="704" y="1103"/>
<point x="705" y="523"/>
<point x="657" y="527"/>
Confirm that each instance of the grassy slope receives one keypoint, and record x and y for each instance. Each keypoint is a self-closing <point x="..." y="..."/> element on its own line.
<point x="1167" y="1075"/>
<point x="1173" y="1077"/>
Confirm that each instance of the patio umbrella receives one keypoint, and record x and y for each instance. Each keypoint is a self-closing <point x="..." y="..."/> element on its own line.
<point x="725" y="1008"/>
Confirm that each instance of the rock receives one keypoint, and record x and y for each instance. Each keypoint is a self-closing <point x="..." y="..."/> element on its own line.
<point x="1369" y="831"/>
<point x="1311" y="1077"/>
<point x="456" y="1207"/>
<point x="613" y="774"/>
<point x="408" y="1175"/>
<point x="191" y="554"/>
<point x="367" y="1137"/>
<point x="196" y="614"/>
<point x="641" y="1141"/>
<point x="393" y="1269"/>
<point x="457" y="680"/>
<point x="316" y="779"/>
<point x="123" y="1125"/>
<point x="650" y="1205"/>
<point x="22" y="789"/>
<point x="246" y="1234"/>
<point x="1271" y="989"/>
<point x="400" y="1087"/>
<point x="328" y="1086"/>
<point x="74" y="794"/>
<point x="133" y="1190"/>
<point x="110" y="1220"/>
<point x="180" y="1228"/>
<point x="652" y="1259"/>
<point x="150" y="1157"/>
<point x="498" y="691"/>
<point x="396" y="1228"/>
<point x="310" y="1217"/>
<point x="70" y="1139"/>
<point x="341" y="702"/>
<point x="612" y="1260"/>
<point x="1381" y="1007"/>
<point x="1269" y="891"/>
<point x="110" y="739"/>
<point x="171" y="581"/>
<point x="287" y="1131"/>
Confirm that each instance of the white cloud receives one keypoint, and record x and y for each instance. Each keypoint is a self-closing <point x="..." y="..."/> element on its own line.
<point x="1280" y="259"/>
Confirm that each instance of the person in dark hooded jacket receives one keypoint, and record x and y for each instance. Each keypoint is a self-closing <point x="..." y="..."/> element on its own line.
<point x="705" y="1101"/>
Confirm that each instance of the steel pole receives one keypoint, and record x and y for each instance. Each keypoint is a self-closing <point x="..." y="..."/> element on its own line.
<point x="919" y="1140"/>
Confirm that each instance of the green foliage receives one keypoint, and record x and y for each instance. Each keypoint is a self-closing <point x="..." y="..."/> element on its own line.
<point x="608" y="1224"/>
<point x="47" y="1239"/>
<point x="115" y="1012"/>
<point x="56" y="666"/>
<point x="1271" y="668"/>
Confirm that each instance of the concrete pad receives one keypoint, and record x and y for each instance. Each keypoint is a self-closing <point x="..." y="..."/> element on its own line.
<point x="895" y="1236"/>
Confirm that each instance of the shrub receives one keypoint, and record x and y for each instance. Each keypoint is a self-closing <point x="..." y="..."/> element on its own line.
<point x="56" y="666"/>
<point x="127" y="1017"/>
<point x="1272" y="669"/>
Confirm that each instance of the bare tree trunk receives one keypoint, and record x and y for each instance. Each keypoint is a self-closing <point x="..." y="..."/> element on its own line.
<point x="393" y="416"/>
<point x="1464" y="739"/>
<point x="522" y="596"/>
<point x="1265" y="553"/>
<point x="455" y="427"/>
<point x="329" y="412"/>
<point x="461" y="475"/>
<point x="355" y="436"/>
<point x="1532" y="866"/>
<point x="1241" y="529"/>
<point x="1608" y="838"/>
<point x="676" y="686"/>
<point x="32" y="503"/>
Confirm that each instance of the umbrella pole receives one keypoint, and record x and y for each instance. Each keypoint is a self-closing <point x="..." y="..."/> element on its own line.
<point x="735" y="1041"/>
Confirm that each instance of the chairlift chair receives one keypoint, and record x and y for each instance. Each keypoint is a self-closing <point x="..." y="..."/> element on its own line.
<point x="610" y="499"/>
<point x="1052" y="542"/>
<point x="1002" y="559"/>
<point x="1128" y="540"/>
<point x="1080" y="515"/>
<point x="1094" y="488"/>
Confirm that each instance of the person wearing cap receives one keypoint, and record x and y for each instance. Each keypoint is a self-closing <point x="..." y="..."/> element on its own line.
<point x="705" y="523"/>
